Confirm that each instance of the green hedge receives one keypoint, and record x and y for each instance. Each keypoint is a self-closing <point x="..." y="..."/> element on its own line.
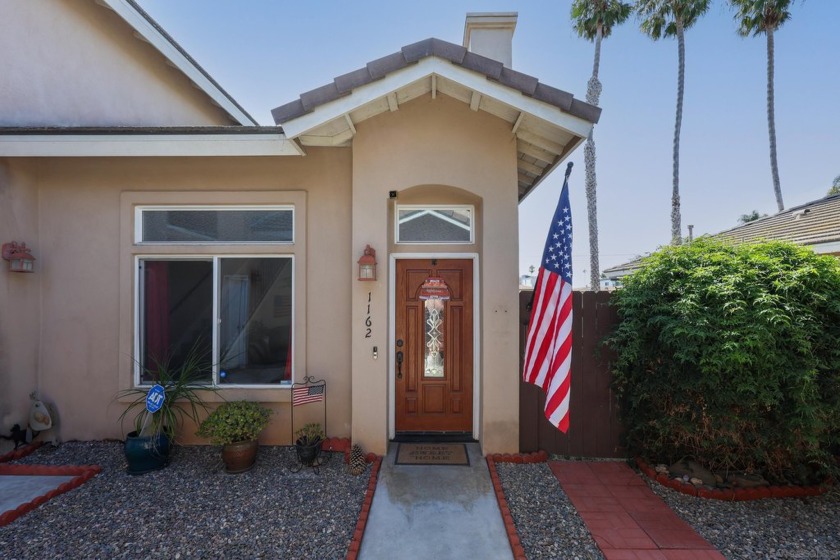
<point x="731" y="355"/>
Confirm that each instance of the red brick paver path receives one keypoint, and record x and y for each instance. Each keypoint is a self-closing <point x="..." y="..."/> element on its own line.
<point x="627" y="520"/>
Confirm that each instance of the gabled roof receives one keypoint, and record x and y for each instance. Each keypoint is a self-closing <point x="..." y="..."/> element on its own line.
<point x="815" y="224"/>
<point x="150" y="31"/>
<point x="549" y="123"/>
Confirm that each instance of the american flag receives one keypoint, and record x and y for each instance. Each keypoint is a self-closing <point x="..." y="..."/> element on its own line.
<point x="306" y="395"/>
<point x="548" y="350"/>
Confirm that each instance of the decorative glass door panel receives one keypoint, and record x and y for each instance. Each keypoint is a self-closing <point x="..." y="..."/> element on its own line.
<point x="433" y="361"/>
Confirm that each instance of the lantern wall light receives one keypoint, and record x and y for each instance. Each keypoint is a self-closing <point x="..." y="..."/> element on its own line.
<point x="19" y="256"/>
<point x="367" y="265"/>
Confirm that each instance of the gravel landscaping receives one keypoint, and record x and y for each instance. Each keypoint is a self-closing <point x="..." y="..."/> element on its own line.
<point x="770" y="528"/>
<point x="190" y="509"/>
<point x="549" y="527"/>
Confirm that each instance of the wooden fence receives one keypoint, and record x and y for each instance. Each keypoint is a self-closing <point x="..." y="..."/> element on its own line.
<point x="594" y="428"/>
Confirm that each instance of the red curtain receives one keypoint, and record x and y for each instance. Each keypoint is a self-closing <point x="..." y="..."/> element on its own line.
<point x="157" y="311"/>
<point x="287" y="375"/>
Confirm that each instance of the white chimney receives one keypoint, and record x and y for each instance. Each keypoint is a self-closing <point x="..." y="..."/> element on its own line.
<point x="490" y="34"/>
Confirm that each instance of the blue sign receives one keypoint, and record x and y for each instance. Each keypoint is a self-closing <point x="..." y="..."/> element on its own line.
<point x="155" y="398"/>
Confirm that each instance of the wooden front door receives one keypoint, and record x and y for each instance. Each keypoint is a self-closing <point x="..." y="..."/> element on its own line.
<point x="433" y="366"/>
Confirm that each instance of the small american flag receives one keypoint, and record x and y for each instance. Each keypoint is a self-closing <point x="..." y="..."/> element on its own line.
<point x="548" y="350"/>
<point x="306" y="395"/>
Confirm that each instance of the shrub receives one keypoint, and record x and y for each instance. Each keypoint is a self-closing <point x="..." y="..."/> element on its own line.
<point x="310" y="434"/>
<point x="731" y="355"/>
<point x="234" y="421"/>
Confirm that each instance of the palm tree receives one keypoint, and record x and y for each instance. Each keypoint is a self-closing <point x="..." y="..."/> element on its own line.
<point x="751" y="217"/>
<point x="670" y="18"/>
<point x="755" y="17"/>
<point x="594" y="20"/>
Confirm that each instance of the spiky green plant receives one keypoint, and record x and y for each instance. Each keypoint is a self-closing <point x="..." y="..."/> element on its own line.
<point x="184" y="396"/>
<point x="310" y="434"/>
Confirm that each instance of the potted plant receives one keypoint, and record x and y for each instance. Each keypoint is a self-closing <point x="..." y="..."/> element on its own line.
<point x="159" y="411"/>
<point x="308" y="443"/>
<point x="235" y="426"/>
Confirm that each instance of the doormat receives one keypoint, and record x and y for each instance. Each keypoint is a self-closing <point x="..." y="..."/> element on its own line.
<point x="432" y="454"/>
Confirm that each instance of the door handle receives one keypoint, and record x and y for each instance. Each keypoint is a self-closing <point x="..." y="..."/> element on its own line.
<point x="399" y="364"/>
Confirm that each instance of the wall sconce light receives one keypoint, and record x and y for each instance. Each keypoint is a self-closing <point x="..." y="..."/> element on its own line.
<point x="367" y="265"/>
<point x="19" y="256"/>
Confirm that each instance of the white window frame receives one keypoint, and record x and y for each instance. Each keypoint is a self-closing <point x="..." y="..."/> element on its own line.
<point x="432" y="207"/>
<point x="138" y="222"/>
<point x="215" y="260"/>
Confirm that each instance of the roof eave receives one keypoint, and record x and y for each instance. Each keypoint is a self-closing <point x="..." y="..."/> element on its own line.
<point x="213" y="142"/>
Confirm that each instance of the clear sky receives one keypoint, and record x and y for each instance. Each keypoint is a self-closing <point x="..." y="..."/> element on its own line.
<point x="266" y="52"/>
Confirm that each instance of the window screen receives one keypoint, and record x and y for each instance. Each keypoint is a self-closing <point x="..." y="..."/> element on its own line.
<point x="217" y="226"/>
<point x="434" y="224"/>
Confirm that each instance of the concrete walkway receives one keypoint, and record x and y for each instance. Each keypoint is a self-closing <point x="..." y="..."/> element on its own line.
<point x="19" y="489"/>
<point x="626" y="519"/>
<point x="438" y="512"/>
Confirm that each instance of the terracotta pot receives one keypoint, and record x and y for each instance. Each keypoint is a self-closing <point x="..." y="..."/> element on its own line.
<point x="146" y="453"/>
<point x="240" y="456"/>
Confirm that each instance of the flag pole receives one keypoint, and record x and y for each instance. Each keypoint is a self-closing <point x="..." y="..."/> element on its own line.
<point x="530" y="305"/>
<point x="548" y="346"/>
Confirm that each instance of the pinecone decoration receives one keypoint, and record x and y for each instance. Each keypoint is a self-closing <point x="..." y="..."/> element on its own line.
<point x="357" y="460"/>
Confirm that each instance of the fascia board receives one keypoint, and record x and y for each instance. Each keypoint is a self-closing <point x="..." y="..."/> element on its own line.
<point x="152" y="145"/>
<point x="424" y="69"/>
<point x="159" y="42"/>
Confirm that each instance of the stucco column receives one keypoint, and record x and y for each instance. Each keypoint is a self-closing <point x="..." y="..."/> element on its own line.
<point x="369" y="324"/>
<point x="500" y="325"/>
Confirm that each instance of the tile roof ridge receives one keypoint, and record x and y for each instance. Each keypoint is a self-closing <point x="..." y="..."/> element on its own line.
<point x="458" y="55"/>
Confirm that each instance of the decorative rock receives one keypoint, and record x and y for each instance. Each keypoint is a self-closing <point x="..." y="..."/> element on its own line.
<point x="695" y="481"/>
<point x="690" y="468"/>
<point x="747" y="480"/>
<point x="661" y="469"/>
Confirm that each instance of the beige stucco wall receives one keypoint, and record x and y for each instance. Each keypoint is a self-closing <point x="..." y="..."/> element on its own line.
<point x="76" y="214"/>
<point x="71" y="214"/>
<point x="438" y="142"/>
<point x="20" y="308"/>
<point x="76" y="63"/>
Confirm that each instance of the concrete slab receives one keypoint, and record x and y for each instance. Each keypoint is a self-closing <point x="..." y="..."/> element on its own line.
<point x="20" y="489"/>
<point x="439" y="512"/>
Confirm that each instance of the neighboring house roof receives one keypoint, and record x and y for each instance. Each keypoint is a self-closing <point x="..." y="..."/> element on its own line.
<point x="146" y="141"/>
<point x="815" y="224"/>
<point x="150" y="31"/>
<point x="549" y="123"/>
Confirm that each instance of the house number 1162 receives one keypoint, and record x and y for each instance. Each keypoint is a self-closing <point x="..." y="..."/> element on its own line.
<point x="368" y="322"/>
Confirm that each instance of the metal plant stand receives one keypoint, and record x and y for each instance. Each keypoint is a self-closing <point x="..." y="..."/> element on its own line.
<point x="321" y="458"/>
<point x="309" y="391"/>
